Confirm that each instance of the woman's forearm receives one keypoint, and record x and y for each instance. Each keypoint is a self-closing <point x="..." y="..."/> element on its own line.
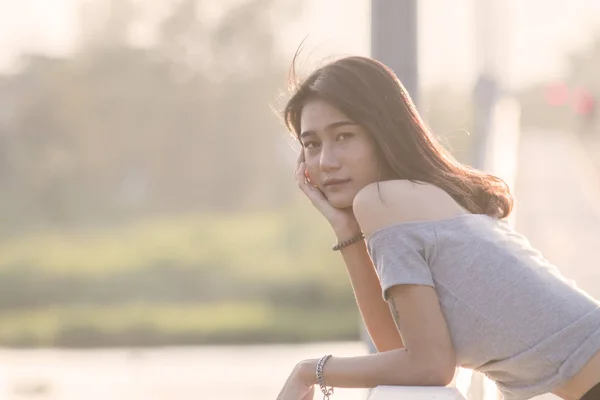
<point x="395" y="367"/>
<point x="367" y="290"/>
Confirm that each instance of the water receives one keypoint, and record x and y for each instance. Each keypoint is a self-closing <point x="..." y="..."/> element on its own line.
<point x="182" y="373"/>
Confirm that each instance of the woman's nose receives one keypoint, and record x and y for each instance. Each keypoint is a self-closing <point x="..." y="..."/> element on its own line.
<point x="329" y="158"/>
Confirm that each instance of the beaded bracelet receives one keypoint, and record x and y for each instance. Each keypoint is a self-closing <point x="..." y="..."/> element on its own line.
<point x="345" y="243"/>
<point x="326" y="392"/>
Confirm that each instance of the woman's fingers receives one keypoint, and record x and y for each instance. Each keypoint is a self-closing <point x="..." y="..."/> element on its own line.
<point x="301" y="176"/>
<point x="316" y="197"/>
<point x="299" y="160"/>
<point x="304" y="184"/>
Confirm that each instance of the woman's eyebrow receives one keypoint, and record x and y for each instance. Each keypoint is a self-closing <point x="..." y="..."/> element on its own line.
<point x="331" y="126"/>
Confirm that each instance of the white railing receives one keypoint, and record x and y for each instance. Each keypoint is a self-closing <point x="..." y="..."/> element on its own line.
<point x="415" y="393"/>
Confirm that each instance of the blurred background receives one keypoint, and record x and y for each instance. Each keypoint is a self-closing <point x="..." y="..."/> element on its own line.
<point x="153" y="243"/>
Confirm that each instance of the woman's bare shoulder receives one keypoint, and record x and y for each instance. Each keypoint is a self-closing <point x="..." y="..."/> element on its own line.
<point x="388" y="202"/>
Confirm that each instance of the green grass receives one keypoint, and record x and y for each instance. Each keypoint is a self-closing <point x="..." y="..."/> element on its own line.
<point x="245" y="278"/>
<point x="270" y="245"/>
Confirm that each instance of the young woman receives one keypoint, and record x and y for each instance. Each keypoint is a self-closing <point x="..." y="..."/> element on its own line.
<point x="440" y="279"/>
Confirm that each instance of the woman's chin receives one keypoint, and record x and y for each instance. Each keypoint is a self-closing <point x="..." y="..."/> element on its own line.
<point x="339" y="201"/>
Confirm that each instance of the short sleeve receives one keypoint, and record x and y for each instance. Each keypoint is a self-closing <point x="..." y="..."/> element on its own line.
<point x="399" y="254"/>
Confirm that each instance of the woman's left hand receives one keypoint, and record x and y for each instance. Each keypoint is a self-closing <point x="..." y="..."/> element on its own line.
<point x="299" y="385"/>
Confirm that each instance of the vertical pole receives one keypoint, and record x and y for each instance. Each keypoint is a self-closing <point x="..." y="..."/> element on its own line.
<point x="491" y="19"/>
<point x="485" y="96"/>
<point x="487" y="88"/>
<point x="394" y="43"/>
<point x="394" y="40"/>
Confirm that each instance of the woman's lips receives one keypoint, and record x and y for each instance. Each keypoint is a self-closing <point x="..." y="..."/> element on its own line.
<point x="335" y="183"/>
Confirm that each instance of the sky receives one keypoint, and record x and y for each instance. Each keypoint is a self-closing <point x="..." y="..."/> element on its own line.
<point x="537" y="34"/>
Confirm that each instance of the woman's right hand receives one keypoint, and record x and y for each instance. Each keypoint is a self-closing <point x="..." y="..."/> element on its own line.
<point x="342" y="221"/>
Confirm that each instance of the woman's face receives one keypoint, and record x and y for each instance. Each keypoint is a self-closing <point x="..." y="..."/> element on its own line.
<point x="340" y="155"/>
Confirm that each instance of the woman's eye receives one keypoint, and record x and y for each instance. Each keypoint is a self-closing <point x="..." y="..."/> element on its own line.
<point x="310" y="145"/>
<point x="345" y="135"/>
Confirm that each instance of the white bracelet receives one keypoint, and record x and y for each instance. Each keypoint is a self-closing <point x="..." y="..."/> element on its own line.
<point x="326" y="392"/>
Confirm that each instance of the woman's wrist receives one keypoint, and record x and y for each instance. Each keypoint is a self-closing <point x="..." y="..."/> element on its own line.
<point x="346" y="231"/>
<point x="307" y="371"/>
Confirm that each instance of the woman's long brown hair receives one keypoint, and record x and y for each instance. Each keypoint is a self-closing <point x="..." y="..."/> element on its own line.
<point x="370" y="94"/>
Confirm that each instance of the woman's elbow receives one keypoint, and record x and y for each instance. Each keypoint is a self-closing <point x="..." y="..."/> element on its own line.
<point x="435" y="375"/>
<point x="435" y="370"/>
<point x="444" y="376"/>
<point x="439" y="371"/>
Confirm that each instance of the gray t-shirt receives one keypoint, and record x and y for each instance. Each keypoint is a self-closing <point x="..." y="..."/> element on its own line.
<point x="510" y="313"/>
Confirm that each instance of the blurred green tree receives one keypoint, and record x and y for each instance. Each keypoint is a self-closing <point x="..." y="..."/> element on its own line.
<point x="121" y="131"/>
